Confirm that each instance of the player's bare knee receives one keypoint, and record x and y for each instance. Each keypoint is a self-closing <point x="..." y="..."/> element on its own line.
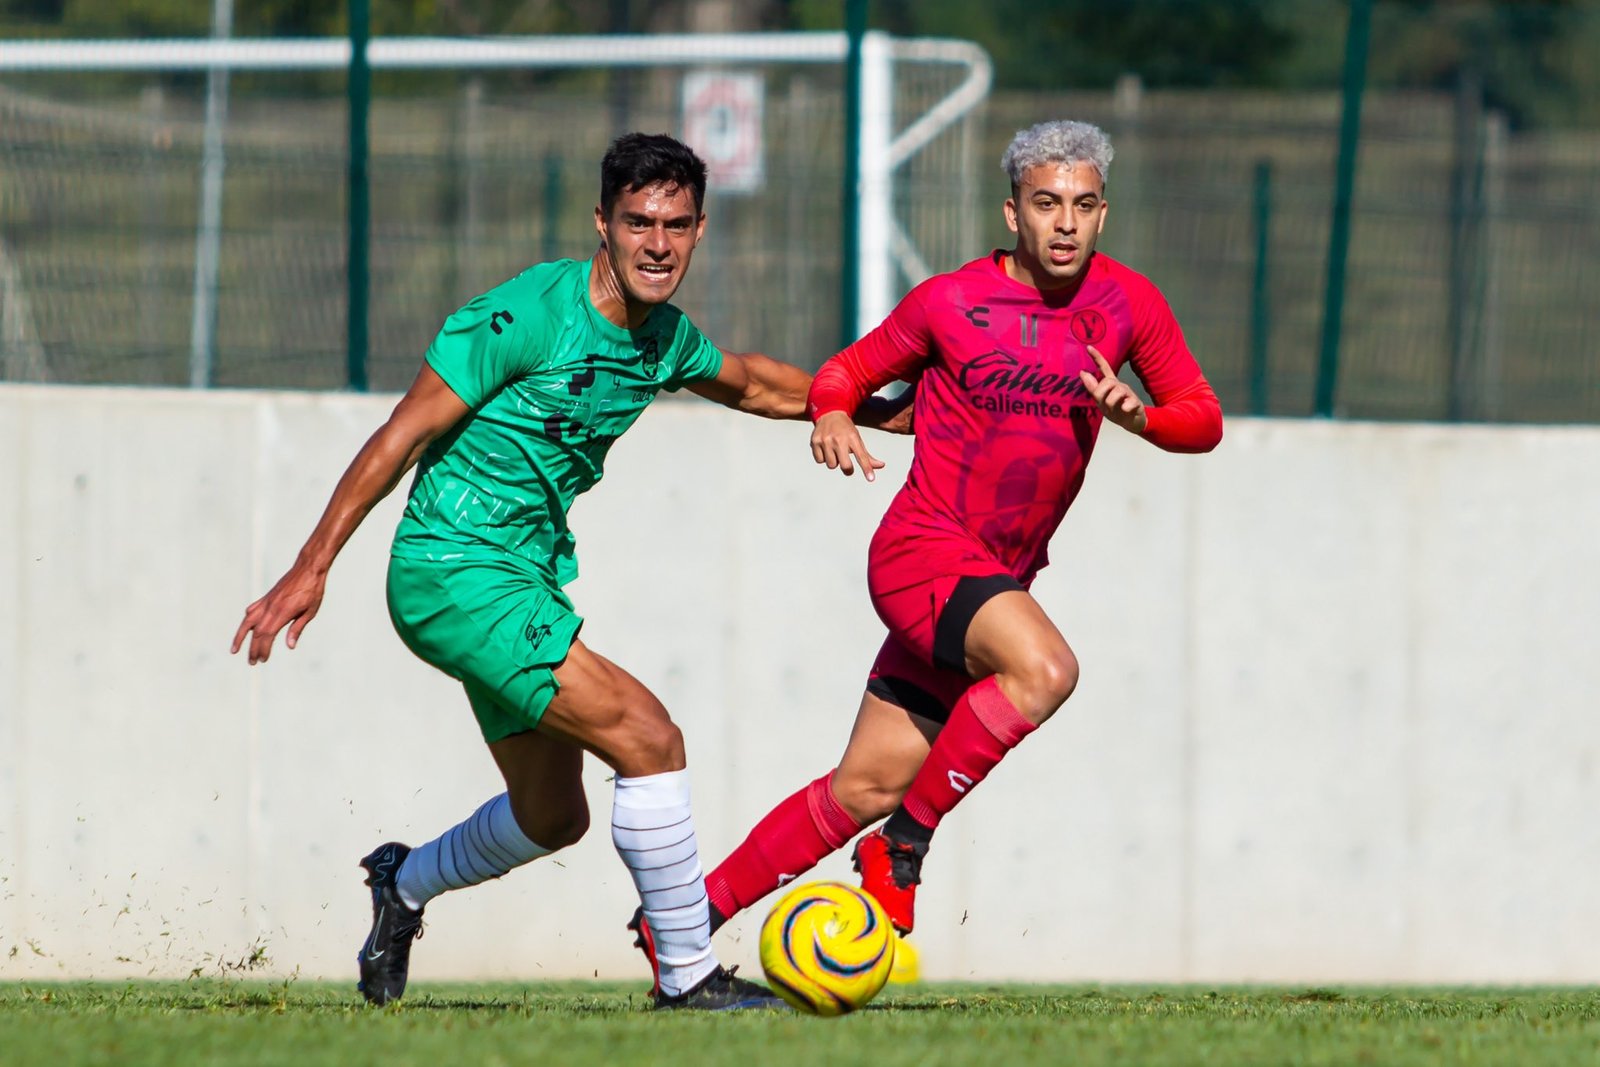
<point x="661" y="737"/>
<point x="551" y="824"/>
<point x="1061" y="674"/>
<point x="1058" y="677"/>
<point x="649" y="742"/>
<point x="1043" y="684"/>
<point x="567" y="828"/>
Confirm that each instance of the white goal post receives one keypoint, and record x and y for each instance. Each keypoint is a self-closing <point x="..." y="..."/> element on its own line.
<point x="884" y="243"/>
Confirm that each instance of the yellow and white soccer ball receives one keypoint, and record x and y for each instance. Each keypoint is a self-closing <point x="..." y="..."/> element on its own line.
<point x="827" y="947"/>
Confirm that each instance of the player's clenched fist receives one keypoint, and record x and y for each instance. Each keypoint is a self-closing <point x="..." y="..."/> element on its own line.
<point x="1116" y="400"/>
<point x="836" y="442"/>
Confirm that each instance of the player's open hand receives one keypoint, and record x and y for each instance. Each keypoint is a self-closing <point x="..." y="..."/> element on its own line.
<point x="293" y="602"/>
<point x="1116" y="400"/>
<point x="836" y="442"/>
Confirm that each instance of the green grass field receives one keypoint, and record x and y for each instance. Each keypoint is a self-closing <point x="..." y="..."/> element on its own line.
<point x="305" y="1024"/>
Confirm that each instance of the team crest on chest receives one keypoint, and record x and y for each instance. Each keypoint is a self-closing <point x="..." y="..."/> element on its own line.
<point x="1088" y="326"/>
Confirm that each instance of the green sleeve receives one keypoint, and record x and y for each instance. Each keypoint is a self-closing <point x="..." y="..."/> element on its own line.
<point x="487" y="343"/>
<point x="695" y="358"/>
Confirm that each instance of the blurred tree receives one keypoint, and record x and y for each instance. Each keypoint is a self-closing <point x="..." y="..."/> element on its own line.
<point x="1523" y="54"/>
<point x="1079" y="43"/>
<point x="1534" y="58"/>
<point x="22" y="12"/>
<point x="135" y="18"/>
<point x="1082" y="43"/>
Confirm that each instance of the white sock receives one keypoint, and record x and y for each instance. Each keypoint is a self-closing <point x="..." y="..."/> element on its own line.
<point x="654" y="834"/>
<point x="485" y="846"/>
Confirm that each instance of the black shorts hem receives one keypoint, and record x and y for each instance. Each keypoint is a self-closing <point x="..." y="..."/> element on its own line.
<point x="950" y="634"/>
<point x="913" y="698"/>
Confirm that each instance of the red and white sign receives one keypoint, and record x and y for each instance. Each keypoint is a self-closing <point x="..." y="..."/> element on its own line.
<point x="722" y="122"/>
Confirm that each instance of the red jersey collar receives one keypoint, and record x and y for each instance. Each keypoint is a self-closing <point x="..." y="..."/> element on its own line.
<point x="1049" y="297"/>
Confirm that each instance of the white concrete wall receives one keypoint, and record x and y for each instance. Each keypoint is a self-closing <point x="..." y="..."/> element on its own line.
<point x="1336" y="720"/>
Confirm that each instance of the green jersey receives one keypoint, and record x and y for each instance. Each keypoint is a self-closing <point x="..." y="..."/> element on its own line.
<point x="551" y="384"/>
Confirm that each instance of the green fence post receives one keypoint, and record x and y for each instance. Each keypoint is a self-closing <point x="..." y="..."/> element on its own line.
<point x="855" y="19"/>
<point x="1465" y="263"/>
<point x="1260" y="310"/>
<point x="1357" y="39"/>
<point x="359" y="90"/>
<point x="552" y="206"/>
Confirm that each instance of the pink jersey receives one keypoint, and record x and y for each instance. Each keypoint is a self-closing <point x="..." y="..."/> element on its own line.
<point x="1004" y="424"/>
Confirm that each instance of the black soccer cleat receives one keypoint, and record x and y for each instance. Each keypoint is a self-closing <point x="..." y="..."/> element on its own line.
<point x="385" y="958"/>
<point x="721" y="990"/>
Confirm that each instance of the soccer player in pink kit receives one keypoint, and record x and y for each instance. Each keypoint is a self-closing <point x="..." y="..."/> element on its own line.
<point x="1015" y="357"/>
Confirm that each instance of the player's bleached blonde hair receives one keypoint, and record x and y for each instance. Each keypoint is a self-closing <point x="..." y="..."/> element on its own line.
<point x="1057" y="142"/>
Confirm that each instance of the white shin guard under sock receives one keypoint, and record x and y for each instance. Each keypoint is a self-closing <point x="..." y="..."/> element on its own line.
<point x="654" y="834"/>
<point x="485" y="846"/>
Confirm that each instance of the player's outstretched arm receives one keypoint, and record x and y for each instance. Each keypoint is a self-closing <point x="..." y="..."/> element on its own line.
<point x="428" y="409"/>
<point x="764" y="386"/>
<point x="757" y="384"/>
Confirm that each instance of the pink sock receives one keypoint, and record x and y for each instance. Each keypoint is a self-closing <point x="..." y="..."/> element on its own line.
<point x="984" y="725"/>
<point x="786" y="844"/>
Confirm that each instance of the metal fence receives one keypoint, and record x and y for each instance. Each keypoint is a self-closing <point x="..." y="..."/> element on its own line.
<point x="1474" y="245"/>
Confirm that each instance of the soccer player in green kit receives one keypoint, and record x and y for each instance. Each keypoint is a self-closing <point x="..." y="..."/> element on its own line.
<point x="518" y="400"/>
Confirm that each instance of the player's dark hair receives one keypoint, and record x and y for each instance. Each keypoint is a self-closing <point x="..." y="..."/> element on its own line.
<point x="636" y="160"/>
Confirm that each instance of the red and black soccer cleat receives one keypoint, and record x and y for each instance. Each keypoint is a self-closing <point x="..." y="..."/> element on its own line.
<point x="645" y="942"/>
<point x="891" y="871"/>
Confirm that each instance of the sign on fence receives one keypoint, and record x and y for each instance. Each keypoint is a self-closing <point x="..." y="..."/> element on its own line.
<point x="722" y="122"/>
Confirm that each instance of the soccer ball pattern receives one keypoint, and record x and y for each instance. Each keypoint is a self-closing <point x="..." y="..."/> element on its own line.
<point x="827" y="948"/>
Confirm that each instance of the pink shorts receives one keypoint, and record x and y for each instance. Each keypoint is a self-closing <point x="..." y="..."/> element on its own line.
<point x="926" y="589"/>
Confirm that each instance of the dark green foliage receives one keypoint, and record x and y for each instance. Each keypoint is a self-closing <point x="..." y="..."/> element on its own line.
<point x="1089" y="43"/>
<point x="1534" y="58"/>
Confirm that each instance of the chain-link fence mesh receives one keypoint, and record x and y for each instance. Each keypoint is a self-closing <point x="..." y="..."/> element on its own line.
<point x="1475" y="241"/>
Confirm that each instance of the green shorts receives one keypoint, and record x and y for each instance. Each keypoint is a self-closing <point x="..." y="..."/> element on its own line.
<point x="499" y="626"/>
